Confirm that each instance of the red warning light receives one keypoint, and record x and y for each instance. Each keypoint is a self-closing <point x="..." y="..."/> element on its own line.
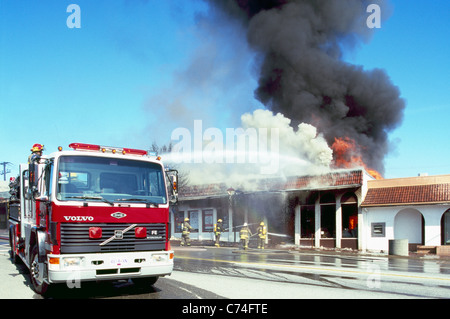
<point x="86" y="147"/>
<point x="95" y="232"/>
<point x="140" y="232"/>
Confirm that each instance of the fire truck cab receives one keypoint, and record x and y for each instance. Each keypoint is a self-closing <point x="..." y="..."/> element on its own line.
<point x="92" y="213"/>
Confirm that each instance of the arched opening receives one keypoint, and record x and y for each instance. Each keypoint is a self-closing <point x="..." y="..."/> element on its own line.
<point x="409" y="224"/>
<point x="308" y="218"/>
<point x="328" y="220"/>
<point x="445" y="228"/>
<point x="349" y="205"/>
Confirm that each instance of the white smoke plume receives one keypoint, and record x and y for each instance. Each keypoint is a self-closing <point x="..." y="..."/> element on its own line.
<point x="276" y="150"/>
<point x="303" y="143"/>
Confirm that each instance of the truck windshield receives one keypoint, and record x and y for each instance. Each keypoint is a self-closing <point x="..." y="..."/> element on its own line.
<point x="88" y="178"/>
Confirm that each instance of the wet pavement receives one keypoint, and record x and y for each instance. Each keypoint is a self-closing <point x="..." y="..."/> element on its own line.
<point x="347" y="275"/>
<point x="227" y="272"/>
<point x="297" y="257"/>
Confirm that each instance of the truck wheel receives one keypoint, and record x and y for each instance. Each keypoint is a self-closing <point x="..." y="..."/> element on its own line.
<point x="38" y="272"/>
<point x="12" y="252"/>
<point x="145" y="282"/>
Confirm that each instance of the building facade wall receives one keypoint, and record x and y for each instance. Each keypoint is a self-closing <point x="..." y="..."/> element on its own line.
<point x="420" y="224"/>
<point x="202" y="219"/>
<point x="325" y="216"/>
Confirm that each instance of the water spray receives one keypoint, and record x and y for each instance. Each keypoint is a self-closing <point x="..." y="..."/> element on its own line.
<point x="278" y="235"/>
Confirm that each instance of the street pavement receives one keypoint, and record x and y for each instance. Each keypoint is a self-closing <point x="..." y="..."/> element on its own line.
<point x="207" y="272"/>
<point x="14" y="279"/>
<point x="311" y="274"/>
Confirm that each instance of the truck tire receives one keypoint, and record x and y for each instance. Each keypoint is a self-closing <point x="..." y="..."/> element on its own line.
<point x="38" y="273"/>
<point x="12" y="252"/>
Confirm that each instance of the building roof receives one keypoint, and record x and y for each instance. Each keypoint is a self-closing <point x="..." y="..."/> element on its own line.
<point x="333" y="180"/>
<point x="408" y="191"/>
<point x="4" y="189"/>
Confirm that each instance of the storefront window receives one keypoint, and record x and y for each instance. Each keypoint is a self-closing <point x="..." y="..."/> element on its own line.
<point x="349" y="207"/>
<point x="208" y="221"/>
<point x="223" y="214"/>
<point x="193" y="220"/>
<point x="307" y="222"/>
<point x="349" y="221"/>
<point x="179" y="219"/>
<point x="328" y="216"/>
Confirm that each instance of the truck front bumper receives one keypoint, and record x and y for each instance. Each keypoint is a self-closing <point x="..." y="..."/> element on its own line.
<point x="108" y="266"/>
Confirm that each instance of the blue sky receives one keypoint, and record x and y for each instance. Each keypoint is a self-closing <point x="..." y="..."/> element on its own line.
<point x="119" y="78"/>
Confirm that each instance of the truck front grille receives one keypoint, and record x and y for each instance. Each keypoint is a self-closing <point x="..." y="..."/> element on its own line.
<point x="75" y="238"/>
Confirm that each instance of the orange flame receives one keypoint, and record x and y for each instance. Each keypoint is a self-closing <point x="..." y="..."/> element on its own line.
<point x="346" y="155"/>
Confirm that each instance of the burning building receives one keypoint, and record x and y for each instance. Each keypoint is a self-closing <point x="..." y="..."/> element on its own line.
<point x="346" y="110"/>
<point x="314" y="211"/>
<point x="340" y="209"/>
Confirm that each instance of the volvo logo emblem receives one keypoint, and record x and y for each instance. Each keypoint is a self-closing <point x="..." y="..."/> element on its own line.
<point x="118" y="215"/>
<point x="118" y="234"/>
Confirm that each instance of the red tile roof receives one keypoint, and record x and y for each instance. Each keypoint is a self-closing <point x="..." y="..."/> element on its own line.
<point x="203" y="190"/>
<point x="407" y="195"/>
<point x="332" y="180"/>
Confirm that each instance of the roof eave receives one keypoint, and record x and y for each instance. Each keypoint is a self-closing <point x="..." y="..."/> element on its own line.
<point x="404" y="204"/>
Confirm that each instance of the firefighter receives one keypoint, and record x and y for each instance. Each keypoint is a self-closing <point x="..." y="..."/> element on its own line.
<point x="262" y="233"/>
<point x="36" y="153"/>
<point x="218" y="229"/>
<point x="186" y="232"/>
<point x="244" y="235"/>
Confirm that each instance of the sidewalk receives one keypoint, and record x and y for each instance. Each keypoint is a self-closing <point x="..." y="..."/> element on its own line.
<point x="4" y="234"/>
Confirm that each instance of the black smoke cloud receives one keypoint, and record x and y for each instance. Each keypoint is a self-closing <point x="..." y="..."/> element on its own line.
<point x="302" y="74"/>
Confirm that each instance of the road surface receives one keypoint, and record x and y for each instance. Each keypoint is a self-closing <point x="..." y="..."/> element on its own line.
<point x="219" y="273"/>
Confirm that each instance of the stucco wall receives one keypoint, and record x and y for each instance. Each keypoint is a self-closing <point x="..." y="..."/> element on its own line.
<point x="403" y="222"/>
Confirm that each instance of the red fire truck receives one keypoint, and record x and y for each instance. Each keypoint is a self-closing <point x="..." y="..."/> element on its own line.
<point x="92" y="213"/>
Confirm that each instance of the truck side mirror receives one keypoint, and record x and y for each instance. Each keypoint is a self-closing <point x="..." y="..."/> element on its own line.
<point x="172" y="176"/>
<point x="33" y="173"/>
<point x="32" y="180"/>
